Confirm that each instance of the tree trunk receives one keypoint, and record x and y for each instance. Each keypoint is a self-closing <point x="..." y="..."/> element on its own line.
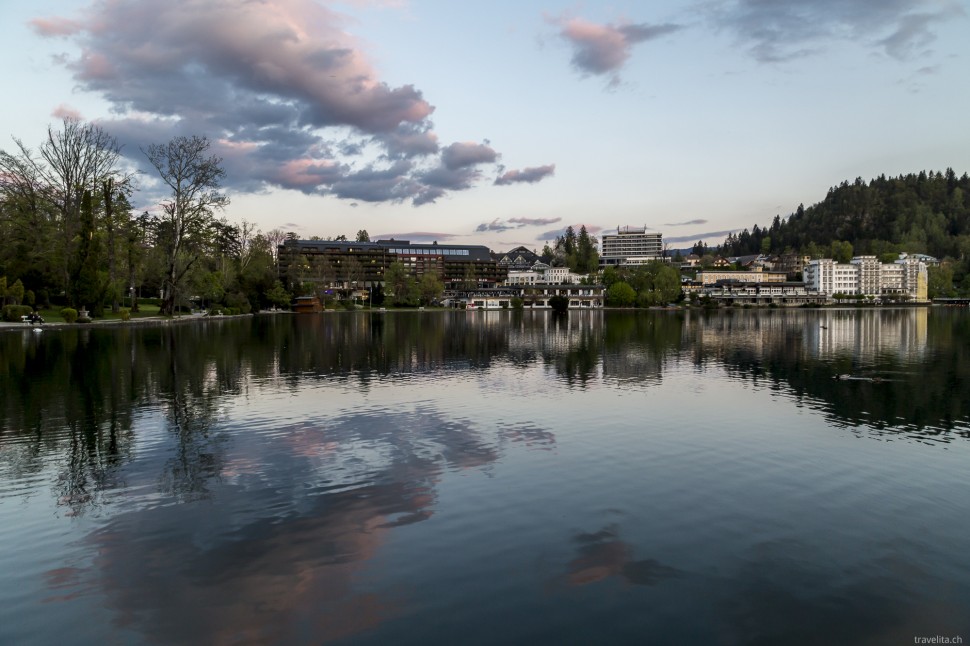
<point x="110" y="226"/>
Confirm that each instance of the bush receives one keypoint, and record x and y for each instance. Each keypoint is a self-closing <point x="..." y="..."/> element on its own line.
<point x="13" y="313"/>
<point x="517" y="303"/>
<point x="69" y="314"/>
<point x="239" y="303"/>
<point x="124" y="313"/>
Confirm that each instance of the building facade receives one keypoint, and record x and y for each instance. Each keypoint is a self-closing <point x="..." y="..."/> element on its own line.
<point x="542" y="274"/>
<point x="755" y="276"/>
<point x="580" y="297"/>
<point x="865" y="276"/>
<point x="350" y="265"/>
<point x="631" y="246"/>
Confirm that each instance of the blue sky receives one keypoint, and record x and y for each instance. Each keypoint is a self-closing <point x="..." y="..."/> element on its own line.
<point x="501" y="123"/>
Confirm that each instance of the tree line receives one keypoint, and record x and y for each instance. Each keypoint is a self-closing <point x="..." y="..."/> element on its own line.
<point x="69" y="235"/>
<point x="925" y="212"/>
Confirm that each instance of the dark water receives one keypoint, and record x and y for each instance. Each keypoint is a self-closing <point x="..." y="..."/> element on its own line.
<point x="482" y="478"/>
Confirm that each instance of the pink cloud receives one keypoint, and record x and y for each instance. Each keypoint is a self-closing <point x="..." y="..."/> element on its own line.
<point x="55" y="26"/>
<point x="604" y="48"/>
<point x="66" y="112"/>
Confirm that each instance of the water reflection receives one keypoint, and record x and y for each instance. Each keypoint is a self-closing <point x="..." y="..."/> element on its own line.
<point x="258" y="480"/>
<point x="229" y="573"/>
<point x="74" y="394"/>
<point x="602" y="555"/>
<point x="889" y="372"/>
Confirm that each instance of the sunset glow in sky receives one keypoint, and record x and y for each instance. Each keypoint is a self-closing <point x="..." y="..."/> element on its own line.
<point x="501" y="123"/>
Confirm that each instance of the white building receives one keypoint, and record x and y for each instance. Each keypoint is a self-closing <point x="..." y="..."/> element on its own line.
<point x="541" y="274"/>
<point x="631" y="246"/>
<point x="866" y="276"/>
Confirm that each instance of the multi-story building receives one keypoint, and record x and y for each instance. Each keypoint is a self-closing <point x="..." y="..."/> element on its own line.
<point x="866" y="276"/>
<point x="631" y="246"/>
<point x="359" y="265"/>
<point x="755" y="276"/>
<point x="541" y="274"/>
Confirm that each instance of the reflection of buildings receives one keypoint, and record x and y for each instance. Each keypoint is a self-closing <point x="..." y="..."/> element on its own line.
<point x="902" y="332"/>
<point x="898" y="332"/>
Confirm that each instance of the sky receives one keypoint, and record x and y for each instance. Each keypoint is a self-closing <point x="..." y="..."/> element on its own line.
<point x="501" y="123"/>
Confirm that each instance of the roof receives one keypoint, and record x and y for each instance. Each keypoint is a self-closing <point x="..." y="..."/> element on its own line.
<point x="396" y="247"/>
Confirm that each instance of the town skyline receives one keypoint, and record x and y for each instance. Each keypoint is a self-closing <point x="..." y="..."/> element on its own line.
<point x="502" y="125"/>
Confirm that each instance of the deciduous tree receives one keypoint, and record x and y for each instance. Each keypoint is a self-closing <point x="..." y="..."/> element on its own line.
<point x="193" y="178"/>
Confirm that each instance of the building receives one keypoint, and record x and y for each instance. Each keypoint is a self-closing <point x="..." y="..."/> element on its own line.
<point x="631" y="246"/>
<point x="537" y="297"/>
<point x="542" y="274"/>
<point x="756" y="276"/>
<point x="866" y="277"/>
<point x="518" y="259"/>
<point x="359" y="265"/>
<point x="787" y="294"/>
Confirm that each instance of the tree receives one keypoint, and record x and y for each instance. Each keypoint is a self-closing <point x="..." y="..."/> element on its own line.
<point x="399" y="284"/>
<point x="363" y="236"/>
<point x="939" y="281"/>
<point x="430" y="288"/>
<point x="278" y="296"/>
<point x="193" y="179"/>
<point x="841" y="251"/>
<point x="50" y="186"/>
<point x="620" y="294"/>
<point x="87" y="285"/>
<point x="586" y="257"/>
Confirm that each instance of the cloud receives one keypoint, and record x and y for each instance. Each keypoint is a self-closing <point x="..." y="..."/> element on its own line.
<point x="710" y="237"/>
<point x="284" y="91"/>
<point x="687" y="223"/>
<point x="514" y="223"/>
<point x="534" y="221"/>
<point x="782" y="31"/>
<point x="495" y="225"/>
<point x="555" y="233"/>
<point x="601" y="49"/>
<point x="416" y="236"/>
<point x="66" y="112"/>
<point x="458" y="170"/>
<point x="529" y="175"/>
<point x="465" y="154"/>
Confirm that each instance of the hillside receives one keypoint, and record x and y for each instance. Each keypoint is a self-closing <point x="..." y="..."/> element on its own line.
<point x="917" y="213"/>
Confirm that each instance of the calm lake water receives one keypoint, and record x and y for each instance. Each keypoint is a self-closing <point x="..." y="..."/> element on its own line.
<point x="489" y="477"/>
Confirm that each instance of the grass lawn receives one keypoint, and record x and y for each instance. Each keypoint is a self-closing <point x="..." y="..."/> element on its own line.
<point x="54" y="315"/>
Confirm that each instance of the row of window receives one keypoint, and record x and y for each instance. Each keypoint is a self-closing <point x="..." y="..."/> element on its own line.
<point x="410" y="251"/>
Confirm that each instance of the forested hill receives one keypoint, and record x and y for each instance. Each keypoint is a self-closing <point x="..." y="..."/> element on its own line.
<point x="917" y="213"/>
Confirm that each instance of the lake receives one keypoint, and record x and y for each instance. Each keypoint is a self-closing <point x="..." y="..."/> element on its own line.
<point x="654" y="477"/>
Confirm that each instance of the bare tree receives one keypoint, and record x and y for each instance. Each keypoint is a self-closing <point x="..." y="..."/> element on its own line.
<point x="76" y="158"/>
<point x="193" y="179"/>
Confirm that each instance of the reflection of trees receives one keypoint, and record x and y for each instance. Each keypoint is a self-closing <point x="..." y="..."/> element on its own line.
<point x="900" y="369"/>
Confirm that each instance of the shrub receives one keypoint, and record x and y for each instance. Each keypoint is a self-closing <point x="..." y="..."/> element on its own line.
<point x="124" y="313"/>
<point x="13" y="313"/>
<point x="69" y="314"/>
<point x="517" y="303"/>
